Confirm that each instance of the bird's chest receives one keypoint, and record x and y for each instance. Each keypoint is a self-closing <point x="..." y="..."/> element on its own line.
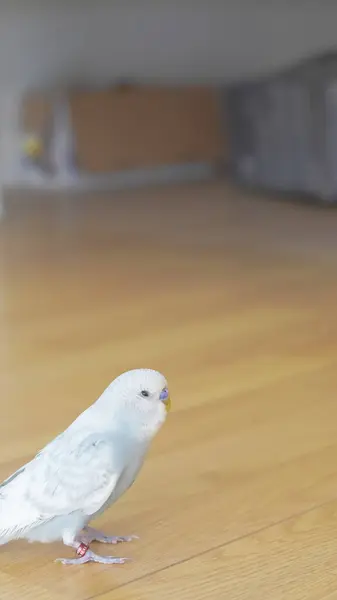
<point x="126" y="479"/>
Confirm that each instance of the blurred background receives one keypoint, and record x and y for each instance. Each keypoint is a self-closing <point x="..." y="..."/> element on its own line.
<point x="168" y="179"/>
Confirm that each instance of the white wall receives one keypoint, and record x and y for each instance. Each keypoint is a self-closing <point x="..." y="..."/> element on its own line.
<point x="48" y="41"/>
<point x="55" y="42"/>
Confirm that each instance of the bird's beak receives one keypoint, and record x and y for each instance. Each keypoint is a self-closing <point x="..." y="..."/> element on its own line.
<point x="165" y="397"/>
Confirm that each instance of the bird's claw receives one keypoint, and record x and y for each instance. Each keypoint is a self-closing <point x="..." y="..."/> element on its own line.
<point x="92" y="557"/>
<point x="92" y="535"/>
<point x="106" y="539"/>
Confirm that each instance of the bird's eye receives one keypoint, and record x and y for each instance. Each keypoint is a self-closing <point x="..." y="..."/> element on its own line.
<point x="145" y="393"/>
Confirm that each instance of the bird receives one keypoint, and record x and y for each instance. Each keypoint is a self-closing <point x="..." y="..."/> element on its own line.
<point x="86" y="469"/>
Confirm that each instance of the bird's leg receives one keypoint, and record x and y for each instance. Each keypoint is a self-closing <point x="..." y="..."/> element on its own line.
<point x="85" y="554"/>
<point x="92" y="535"/>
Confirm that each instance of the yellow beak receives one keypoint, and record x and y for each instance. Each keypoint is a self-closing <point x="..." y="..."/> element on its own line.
<point x="167" y="403"/>
<point x="165" y="398"/>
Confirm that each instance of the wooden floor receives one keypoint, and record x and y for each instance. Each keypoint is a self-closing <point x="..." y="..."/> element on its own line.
<point x="234" y="298"/>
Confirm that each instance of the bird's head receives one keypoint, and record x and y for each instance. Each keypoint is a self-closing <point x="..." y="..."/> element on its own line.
<point x="139" y="397"/>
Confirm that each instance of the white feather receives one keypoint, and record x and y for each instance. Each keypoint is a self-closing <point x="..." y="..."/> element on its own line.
<point x="85" y="469"/>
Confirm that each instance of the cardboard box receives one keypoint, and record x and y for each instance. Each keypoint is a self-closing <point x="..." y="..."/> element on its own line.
<point x="134" y="127"/>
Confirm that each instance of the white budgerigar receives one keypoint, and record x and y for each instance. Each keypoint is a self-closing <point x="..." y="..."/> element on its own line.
<point x="86" y="468"/>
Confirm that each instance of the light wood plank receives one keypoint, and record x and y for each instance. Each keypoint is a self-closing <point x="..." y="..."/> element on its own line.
<point x="239" y="313"/>
<point x="294" y="559"/>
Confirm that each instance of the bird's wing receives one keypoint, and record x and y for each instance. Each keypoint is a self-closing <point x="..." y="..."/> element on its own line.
<point x="77" y="472"/>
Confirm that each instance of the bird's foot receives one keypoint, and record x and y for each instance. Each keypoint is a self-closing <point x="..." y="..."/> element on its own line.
<point x="92" y="535"/>
<point x="86" y="555"/>
<point x="92" y="557"/>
